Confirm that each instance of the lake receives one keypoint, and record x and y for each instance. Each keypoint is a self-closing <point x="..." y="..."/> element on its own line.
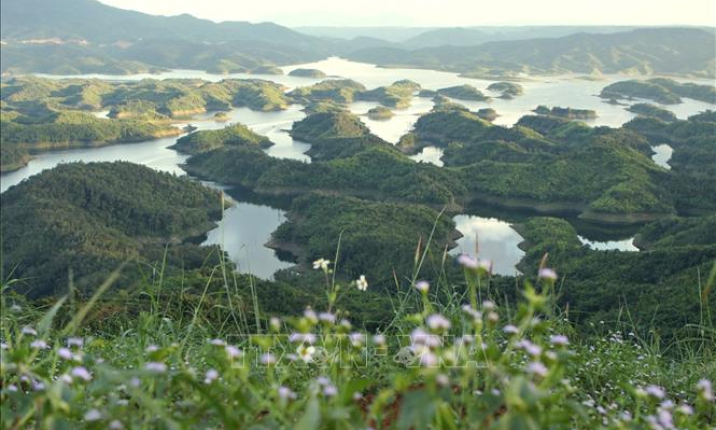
<point x="246" y="227"/>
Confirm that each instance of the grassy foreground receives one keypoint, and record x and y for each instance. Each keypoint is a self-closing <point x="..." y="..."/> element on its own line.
<point x="470" y="361"/>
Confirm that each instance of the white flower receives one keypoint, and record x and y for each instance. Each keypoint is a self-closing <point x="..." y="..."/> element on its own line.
<point x="38" y="344"/>
<point x="361" y="283"/>
<point x="152" y="348"/>
<point x="268" y="359"/>
<point x="419" y="337"/>
<point x="217" y="342"/>
<point x="308" y="338"/>
<point x="93" y="415"/>
<point x="321" y="264"/>
<point x="330" y="390"/>
<point x="116" y="425"/>
<point x="327" y="317"/>
<point x="75" y="341"/>
<point x="467" y="261"/>
<point x="155" y="367"/>
<point x="511" y="329"/>
<point x="29" y="331"/>
<point x="705" y="390"/>
<point x="437" y="322"/>
<point x="379" y="339"/>
<point x="275" y="323"/>
<point x="422" y="286"/>
<point x="428" y="359"/>
<point x="443" y="380"/>
<point x="357" y="339"/>
<point x="306" y="352"/>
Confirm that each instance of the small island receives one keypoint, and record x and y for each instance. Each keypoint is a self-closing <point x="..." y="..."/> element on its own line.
<point x="380" y="113"/>
<point x="488" y="114"/>
<point x="660" y="90"/>
<point x="464" y="92"/>
<point x="508" y="89"/>
<point x="221" y="117"/>
<point x="307" y="73"/>
<point x="233" y="135"/>
<point x="266" y="70"/>
<point x="567" y="113"/>
<point x="651" y="111"/>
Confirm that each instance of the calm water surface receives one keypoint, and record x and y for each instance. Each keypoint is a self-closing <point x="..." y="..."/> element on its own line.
<point x="491" y="239"/>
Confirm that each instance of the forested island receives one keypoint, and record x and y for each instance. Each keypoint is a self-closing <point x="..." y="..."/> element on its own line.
<point x="661" y="90"/>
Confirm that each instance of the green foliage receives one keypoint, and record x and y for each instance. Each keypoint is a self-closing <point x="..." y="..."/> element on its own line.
<point x="397" y="95"/>
<point x="376" y="238"/>
<point x="662" y="90"/>
<point x="89" y="218"/>
<point x="567" y="113"/>
<point x="508" y="89"/>
<point x="336" y="90"/>
<point x="307" y="73"/>
<point x="651" y="111"/>
<point x="463" y="92"/>
<point x="233" y="135"/>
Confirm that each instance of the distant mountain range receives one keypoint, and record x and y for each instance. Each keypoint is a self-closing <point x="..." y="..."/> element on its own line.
<point x="85" y="36"/>
<point x="678" y="50"/>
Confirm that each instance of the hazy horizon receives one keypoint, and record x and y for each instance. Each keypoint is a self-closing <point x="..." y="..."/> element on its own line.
<point x="446" y="13"/>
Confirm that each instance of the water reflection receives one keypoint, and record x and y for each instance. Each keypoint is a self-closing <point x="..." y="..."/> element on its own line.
<point x="429" y="154"/>
<point x="626" y="245"/>
<point x="662" y="155"/>
<point x="496" y="241"/>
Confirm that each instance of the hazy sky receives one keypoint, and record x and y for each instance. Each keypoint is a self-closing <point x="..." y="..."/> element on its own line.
<point x="438" y="12"/>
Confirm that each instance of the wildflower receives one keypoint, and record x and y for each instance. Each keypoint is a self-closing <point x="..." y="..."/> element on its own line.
<point x="323" y="381"/>
<point x="379" y="340"/>
<point x="467" y="262"/>
<point x="275" y="323"/>
<point x="428" y="359"/>
<point x="485" y="265"/>
<point x="38" y="385"/>
<point x="685" y="409"/>
<point x="361" y="283"/>
<point x="29" y="331"/>
<point x="346" y="324"/>
<point x="232" y="351"/>
<point x="152" y="348"/>
<point x="116" y="425"/>
<point x="64" y="353"/>
<point x="321" y="264"/>
<point x="357" y="339"/>
<point x="493" y="317"/>
<point x="705" y="390"/>
<point x="268" y="359"/>
<point x="93" y="415"/>
<point x="475" y="314"/>
<point x="357" y="396"/>
<point x="305" y="352"/>
<point x="665" y="418"/>
<point x="156" y="367"/>
<point x="511" y="329"/>
<point x="311" y="316"/>
<point x="308" y="338"/>
<point x="286" y="393"/>
<point x="655" y="391"/>
<point x="135" y="382"/>
<point x="547" y="273"/>
<point x="559" y="340"/>
<point x="38" y="344"/>
<point x="437" y="322"/>
<point x="217" y="342"/>
<point x="422" y="286"/>
<point x="537" y="368"/>
<point x="330" y="390"/>
<point x="3" y="345"/>
<point x="327" y="317"/>
<point x="419" y="337"/>
<point x="67" y="379"/>
<point x="442" y="380"/>
<point x="211" y="376"/>
<point x="12" y="388"/>
<point x="488" y="305"/>
<point x="82" y="373"/>
<point x="75" y="341"/>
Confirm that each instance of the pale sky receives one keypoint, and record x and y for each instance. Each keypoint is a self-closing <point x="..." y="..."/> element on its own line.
<point x="438" y="13"/>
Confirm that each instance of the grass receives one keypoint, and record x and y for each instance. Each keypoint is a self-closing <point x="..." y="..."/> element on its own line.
<point x="166" y="359"/>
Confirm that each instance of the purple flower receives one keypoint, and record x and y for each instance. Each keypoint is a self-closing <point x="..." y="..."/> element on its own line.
<point x="655" y="391"/>
<point x="330" y="390"/>
<point x="38" y="344"/>
<point x="537" y="368"/>
<point x="559" y="339"/>
<point x="547" y="273"/>
<point x="82" y="373"/>
<point x="232" y="351"/>
<point x="93" y="415"/>
<point x="64" y="353"/>
<point x="286" y="393"/>
<point x="29" y="331"/>
<point x="75" y="341"/>
<point x="422" y="286"/>
<point x="211" y="376"/>
<point x="467" y="261"/>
